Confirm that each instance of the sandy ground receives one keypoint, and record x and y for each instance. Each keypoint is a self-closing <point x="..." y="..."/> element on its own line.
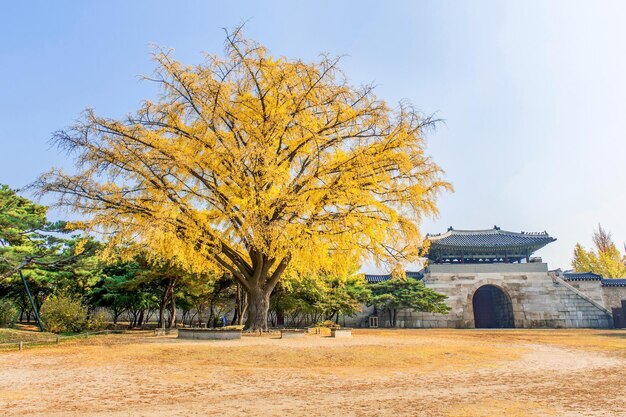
<point x="375" y="373"/>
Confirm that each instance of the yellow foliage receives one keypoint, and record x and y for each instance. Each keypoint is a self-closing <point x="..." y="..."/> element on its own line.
<point x="254" y="165"/>
<point x="606" y="260"/>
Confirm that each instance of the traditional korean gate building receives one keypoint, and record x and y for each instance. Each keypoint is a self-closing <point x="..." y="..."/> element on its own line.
<point x="492" y="280"/>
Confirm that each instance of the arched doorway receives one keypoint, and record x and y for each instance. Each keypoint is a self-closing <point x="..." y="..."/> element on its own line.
<point x="492" y="308"/>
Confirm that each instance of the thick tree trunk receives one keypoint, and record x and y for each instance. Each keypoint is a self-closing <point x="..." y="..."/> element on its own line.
<point x="258" y="307"/>
<point x="258" y="283"/>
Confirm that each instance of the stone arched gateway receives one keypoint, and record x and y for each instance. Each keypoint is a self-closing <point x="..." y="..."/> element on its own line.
<point x="492" y="308"/>
<point x="462" y="262"/>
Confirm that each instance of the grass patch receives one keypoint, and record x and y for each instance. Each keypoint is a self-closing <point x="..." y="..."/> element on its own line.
<point x="14" y="336"/>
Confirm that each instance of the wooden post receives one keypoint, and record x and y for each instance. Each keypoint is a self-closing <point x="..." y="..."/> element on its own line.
<point x="57" y="339"/>
<point x="19" y="346"/>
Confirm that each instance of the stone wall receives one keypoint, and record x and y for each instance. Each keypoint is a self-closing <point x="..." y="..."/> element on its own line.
<point x="539" y="299"/>
<point x="613" y="296"/>
<point x="609" y="297"/>
<point x="592" y="288"/>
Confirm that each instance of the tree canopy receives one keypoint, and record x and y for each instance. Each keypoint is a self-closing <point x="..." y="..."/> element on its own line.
<point x="29" y="240"/>
<point x="305" y="300"/>
<point x="254" y="165"/>
<point x="605" y="260"/>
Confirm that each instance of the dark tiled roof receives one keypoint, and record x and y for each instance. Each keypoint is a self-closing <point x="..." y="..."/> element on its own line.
<point x="490" y="238"/>
<point x="614" y="282"/>
<point x="372" y="279"/>
<point x="416" y="275"/>
<point x="491" y="245"/>
<point x="581" y="276"/>
<point x="590" y="276"/>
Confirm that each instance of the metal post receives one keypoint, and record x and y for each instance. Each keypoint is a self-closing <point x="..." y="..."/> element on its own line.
<point x="32" y="303"/>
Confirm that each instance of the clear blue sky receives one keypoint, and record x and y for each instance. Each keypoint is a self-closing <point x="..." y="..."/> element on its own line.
<point x="533" y="92"/>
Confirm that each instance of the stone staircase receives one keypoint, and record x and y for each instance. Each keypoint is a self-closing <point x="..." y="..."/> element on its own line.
<point x="577" y="309"/>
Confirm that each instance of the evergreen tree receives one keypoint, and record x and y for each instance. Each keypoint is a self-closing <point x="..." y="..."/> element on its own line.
<point x="400" y="293"/>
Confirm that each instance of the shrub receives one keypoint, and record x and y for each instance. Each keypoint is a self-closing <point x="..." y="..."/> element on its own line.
<point x="62" y="313"/>
<point x="98" y="321"/>
<point x="328" y="323"/>
<point x="8" y="313"/>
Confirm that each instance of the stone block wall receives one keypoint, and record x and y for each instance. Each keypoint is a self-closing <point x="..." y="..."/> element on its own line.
<point x="608" y="296"/>
<point x="613" y="296"/>
<point x="592" y="288"/>
<point x="539" y="299"/>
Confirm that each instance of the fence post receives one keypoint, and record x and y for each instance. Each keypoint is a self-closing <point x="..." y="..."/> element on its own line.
<point x="57" y="339"/>
<point x="19" y="345"/>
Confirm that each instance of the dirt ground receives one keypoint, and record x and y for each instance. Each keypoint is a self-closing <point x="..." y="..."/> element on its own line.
<point x="375" y="373"/>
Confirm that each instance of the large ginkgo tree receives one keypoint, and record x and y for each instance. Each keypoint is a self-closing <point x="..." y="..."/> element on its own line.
<point x="254" y="165"/>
